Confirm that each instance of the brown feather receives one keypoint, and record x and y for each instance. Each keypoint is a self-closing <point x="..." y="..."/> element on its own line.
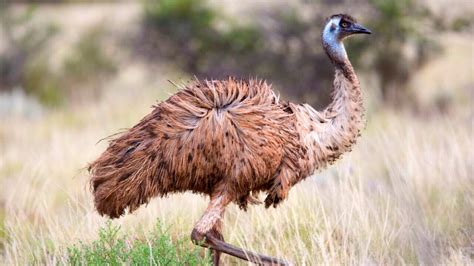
<point x="231" y="135"/>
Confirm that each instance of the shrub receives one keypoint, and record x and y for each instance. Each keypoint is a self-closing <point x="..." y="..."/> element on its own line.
<point x="398" y="25"/>
<point x="112" y="248"/>
<point x="25" y="62"/>
<point x="41" y="82"/>
<point x="187" y="32"/>
<point x="23" y="42"/>
<point x="87" y="62"/>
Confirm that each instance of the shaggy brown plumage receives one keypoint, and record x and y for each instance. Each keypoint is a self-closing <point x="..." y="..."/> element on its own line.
<point x="231" y="139"/>
<point x="231" y="135"/>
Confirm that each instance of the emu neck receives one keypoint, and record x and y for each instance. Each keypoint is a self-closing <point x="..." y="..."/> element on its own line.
<point x="345" y="113"/>
<point x="330" y="133"/>
<point x="338" y="126"/>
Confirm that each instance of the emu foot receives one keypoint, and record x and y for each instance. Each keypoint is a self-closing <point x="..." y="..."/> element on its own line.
<point x="210" y="241"/>
<point x="276" y="194"/>
<point x="245" y="200"/>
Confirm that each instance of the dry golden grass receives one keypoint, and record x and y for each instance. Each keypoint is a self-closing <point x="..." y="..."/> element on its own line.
<point x="404" y="195"/>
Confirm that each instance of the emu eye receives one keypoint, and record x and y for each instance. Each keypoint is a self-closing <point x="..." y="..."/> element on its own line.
<point x="344" y="24"/>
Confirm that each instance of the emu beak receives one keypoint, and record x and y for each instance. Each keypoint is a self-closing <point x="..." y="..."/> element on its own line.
<point x="357" y="29"/>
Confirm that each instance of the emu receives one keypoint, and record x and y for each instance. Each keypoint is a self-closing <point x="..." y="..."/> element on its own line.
<point x="231" y="139"/>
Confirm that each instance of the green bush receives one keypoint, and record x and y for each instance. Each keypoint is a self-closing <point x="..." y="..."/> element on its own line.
<point x="112" y="248"/>
<point x="187" y="32"/>
<point x="25" y="62"/>
<point x="88" y="63"/>
<point x="398" y="24"/>
<point x="41" y="82"/>
<point x="82" y="70"/>
<point x="21" y="56"/>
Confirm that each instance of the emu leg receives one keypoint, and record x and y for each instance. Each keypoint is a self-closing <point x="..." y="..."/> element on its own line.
<point x="216" y="232"/>
<point x="204" y="236"/>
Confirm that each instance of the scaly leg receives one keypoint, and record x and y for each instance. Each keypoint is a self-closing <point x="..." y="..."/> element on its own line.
<point x="204" y="236"/>
<point x="216" y="232"/>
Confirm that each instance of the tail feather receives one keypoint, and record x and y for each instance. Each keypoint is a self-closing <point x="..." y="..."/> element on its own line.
<point x="124" y="175"/>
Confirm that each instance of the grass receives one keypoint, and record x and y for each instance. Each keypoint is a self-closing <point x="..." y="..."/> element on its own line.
<point x="112" y="248"/>
<point x="402" y="196"/>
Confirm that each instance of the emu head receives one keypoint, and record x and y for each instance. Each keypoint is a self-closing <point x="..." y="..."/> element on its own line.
<point x="337" y="28"/>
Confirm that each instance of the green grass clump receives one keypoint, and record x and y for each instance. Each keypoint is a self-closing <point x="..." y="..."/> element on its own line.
<point x="112" y="248"/>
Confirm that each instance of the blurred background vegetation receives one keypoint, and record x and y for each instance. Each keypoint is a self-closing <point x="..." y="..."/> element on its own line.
<point x="278" y="42"/>
<point x="73" y="72"/>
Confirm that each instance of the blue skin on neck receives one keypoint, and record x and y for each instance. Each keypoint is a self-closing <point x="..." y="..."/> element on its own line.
<point x="332" y="39"/>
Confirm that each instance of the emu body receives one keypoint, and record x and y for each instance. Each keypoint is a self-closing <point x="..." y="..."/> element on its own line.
<point x="231" y="139"/>
<point x="210" y="137"/>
